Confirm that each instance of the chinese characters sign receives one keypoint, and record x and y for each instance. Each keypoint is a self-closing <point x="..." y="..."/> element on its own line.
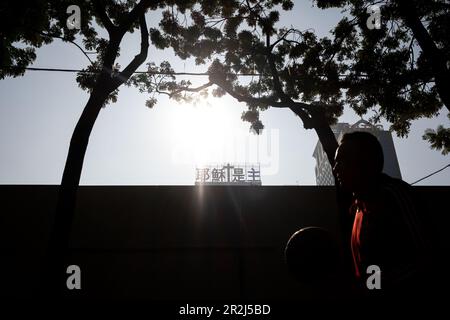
<point x="229" y="175"/>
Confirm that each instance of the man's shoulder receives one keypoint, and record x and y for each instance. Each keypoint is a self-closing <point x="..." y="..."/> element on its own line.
<point x="403" y="202"/>
<point x="394" y="185"/>
<point x="396" y="192"/>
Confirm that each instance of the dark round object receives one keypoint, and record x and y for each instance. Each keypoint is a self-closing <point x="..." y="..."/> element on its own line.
<point x="312" y="255"/>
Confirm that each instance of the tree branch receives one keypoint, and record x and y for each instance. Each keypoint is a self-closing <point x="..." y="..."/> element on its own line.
<point x="313" y="117"/>
<point x="338" y="44"/>
<point x="100" y="11"/>
<point x="136" y="12"/>
<point x="432" y="53"/>
<point x="73" y="42"/>
<point x="189" y="89"/>
<point x="283" y="38"/>
<point x="139" y="58"/>
<point x="273" y="70"/>
<point x="297" y="107"/>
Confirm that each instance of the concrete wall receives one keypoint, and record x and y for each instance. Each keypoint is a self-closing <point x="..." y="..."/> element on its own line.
<point x="174" y="242"/>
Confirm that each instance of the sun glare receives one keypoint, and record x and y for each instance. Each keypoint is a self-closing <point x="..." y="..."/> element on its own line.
<point x="200" y="131"/>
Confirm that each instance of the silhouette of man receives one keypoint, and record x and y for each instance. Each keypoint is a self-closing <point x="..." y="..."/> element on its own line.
<point x="380" y="220"/>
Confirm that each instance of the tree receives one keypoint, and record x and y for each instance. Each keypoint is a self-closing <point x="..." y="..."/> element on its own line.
<point x="292" y="68"/>
<point x="240" y="37"/>
<point x="19" y="25"/>
<point x="439" y="138"/>
<point x="103" y="77"/>
<point x="39" y="24"/>
<point x="118" y="19"/>
<point x="407" y="60"/>
<point x="369" y="69"/>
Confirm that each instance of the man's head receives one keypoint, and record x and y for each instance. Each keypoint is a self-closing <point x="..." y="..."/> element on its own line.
<point x="359" y="160"/>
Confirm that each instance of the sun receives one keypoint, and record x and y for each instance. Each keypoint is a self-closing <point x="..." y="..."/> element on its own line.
<point x="200" y="131"/>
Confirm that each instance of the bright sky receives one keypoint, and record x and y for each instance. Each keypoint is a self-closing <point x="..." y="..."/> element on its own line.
<point x="134" y="145"/>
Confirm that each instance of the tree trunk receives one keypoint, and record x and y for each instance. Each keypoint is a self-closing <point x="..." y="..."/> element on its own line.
<point x="54" y="274"/>
<point x="343" y="198"/>
<point x="432" y="53"/>
<point x="328" y="140"/>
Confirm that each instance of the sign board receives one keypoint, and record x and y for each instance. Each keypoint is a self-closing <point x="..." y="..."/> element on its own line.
<point x="228" y="174"/>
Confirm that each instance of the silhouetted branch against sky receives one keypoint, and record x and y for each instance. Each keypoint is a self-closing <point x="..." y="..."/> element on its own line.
<point x="372" y="61"/>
